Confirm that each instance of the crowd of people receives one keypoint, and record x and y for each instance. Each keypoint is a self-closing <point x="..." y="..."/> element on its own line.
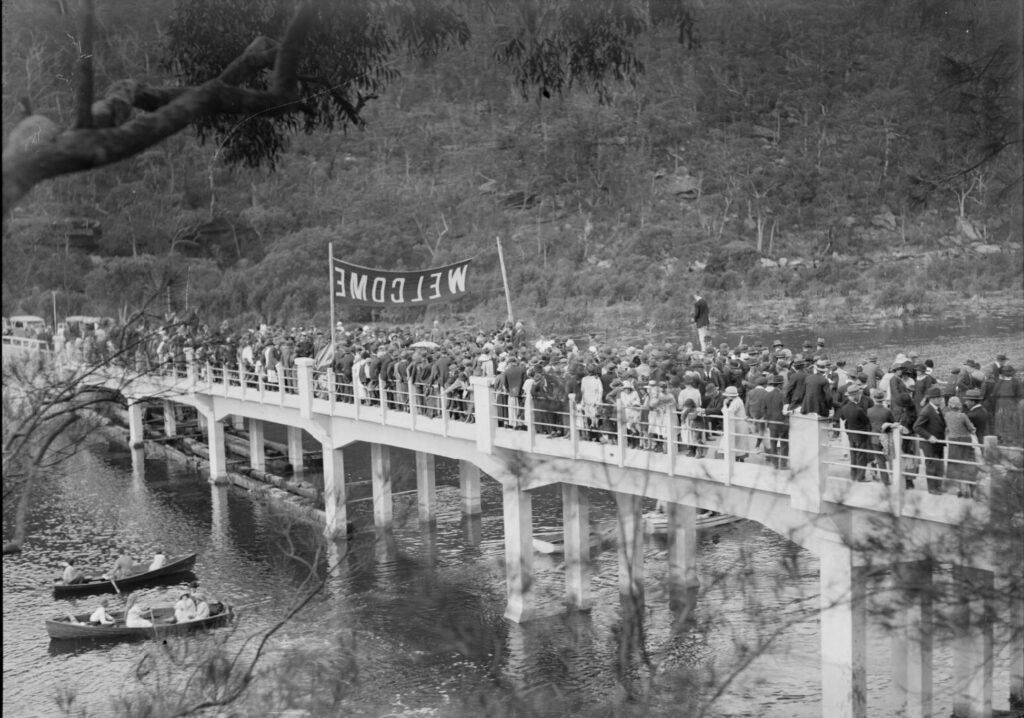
<point x="660" y="393"/>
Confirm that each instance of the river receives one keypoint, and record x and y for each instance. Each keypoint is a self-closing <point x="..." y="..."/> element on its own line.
<point x="413" y="624"/>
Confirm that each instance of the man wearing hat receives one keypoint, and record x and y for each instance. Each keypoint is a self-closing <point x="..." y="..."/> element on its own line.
<point x="794" y="388"/>
<point x="976" y="413"/>
<point x="701" y="318"/>
<point x="872" y="371"/>
<point x="817" y="394"/>
<point x="882" y="422"/>
<point x="777" y="422"/>
<point x="931" y="426"/>
<point x="857" y="427"/>
<point x="1004" y="406"/>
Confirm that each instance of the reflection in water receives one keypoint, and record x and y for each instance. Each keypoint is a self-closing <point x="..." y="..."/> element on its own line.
<point x="138" y="468"/>
<point x="220" y="525"/>
<point x="472" y="529"/>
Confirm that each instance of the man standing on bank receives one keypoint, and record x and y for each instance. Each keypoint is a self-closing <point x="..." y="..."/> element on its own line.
<point x="702" y="318"/>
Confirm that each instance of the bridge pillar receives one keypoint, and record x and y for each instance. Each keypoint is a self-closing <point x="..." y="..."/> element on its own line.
<point x="237" y="422"/>
<point x="257" y="450"/>
<point x="136" y="432"/>
<point x="972" y="648"/>
<point x="469" y="487"/>
<point x="912" y="639"/>
<point x="295" y="455"/>
<point x="170" y="419"/>
<point x="576" y="525"/>
<point x="425" y="486"/>
<point x="380" y="475"/>
<point x="218" y="455"/>
<point x="682" y="554"/>
<point x="843" y="632"/>
<point x="335" y="500"/>
<point x="517" y="508"/>
<point x="808" y="437"/>
<point x="631" y="549"/>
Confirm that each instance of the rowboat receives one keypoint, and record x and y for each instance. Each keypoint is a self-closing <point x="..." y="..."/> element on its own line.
<point x="140" y="576"/>
<point x="553" y="542"/>
<point x="655" y="522"/>
<point x="63" y="628"/>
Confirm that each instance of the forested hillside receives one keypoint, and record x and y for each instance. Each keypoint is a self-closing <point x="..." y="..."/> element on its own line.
<point x="796" y="158"/>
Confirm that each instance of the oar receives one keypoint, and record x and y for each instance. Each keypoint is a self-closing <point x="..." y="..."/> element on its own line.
<point x="114" y="584"/>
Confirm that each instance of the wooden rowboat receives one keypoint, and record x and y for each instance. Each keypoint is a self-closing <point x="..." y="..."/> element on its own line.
<point x="140" y="576"/>
<point x="63" y="628"/>
<point x="656" y="522"/>
<point x="553" y="542"/>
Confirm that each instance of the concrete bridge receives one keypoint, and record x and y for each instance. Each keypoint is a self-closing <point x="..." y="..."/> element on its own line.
<point x="813" y="503"/>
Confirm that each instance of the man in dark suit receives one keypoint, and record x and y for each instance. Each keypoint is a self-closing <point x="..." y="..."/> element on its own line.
<point x="931" y="426"/>
<point x="702" y="318"/>
<point x="817" y="391"/>
<point x="794" y="390"/>
<point x="857" y="425"/>
<point x="977" y="413"/>
<point x="511" y="382"/>
<point x="777" y="423"/>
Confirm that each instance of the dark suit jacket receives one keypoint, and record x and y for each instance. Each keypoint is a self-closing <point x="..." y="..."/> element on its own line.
<point x="930" y="423"/>
<point x="817" y="395"/>
<point x="512" y="379"/>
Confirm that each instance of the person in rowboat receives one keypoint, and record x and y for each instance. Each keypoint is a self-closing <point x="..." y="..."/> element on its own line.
<point x="133" y="616"/>
<point x="159" y="560"/>
<point x="72" y="574"/>
<point x="101" y="616"/>
<point x="184" y="609"/>
<point x="123" y="566"/>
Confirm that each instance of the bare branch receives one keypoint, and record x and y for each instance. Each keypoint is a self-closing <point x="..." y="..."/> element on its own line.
<point x="84" y="94"/>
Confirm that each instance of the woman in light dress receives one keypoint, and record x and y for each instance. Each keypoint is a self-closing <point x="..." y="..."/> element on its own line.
<point x="735" y="413"/>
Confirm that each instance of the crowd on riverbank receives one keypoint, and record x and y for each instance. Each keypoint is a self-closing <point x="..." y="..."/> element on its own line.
<point x="656" y="390"/>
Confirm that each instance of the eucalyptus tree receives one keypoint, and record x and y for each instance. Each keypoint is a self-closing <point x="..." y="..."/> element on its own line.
<point x="247" y="73"/>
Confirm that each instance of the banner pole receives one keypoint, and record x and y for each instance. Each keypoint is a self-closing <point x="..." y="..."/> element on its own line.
<point x="330" y="286"/>
<point x="504" y="278"/>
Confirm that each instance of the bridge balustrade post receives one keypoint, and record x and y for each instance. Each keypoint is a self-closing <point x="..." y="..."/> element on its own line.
<point x="304" y="379"/>
<point x="531" y="425"/>
<point x="621" y="426"/>
<point x="483" y="409"/>
<point x="808" y="436"/>
<point x="382" y="395"/>
<point x="899" y="485"/>
<point x="728" y="451"/>
<point x="332" y="388"/>
<point x="672" y="445"/>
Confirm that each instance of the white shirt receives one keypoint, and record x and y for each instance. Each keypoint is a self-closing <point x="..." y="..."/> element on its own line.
<point x="159" y="561"/>
<point x="100" y="615"/>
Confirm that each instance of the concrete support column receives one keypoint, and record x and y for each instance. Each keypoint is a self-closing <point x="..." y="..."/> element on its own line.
<point x="576" y="524"/>
<point x="469" y="487"/>
<point x="257" y="449"/>
<point x="170" y="419"/>
<point x="136" y="432"/>
<point x="517" y="508"/>
<point x="631" y="548"/>
<point x="843" y="633"/>
<point x="484" y="412"/>
<point x="972" y="648"/>
<point x="912" y="639"/>
<point x="304" y="382"/>
<point x="218" y="457"/>
<point x="335" y="506"/>
<point x="682" y="555"/>
<point x="380" y="470"/>
<point x="201" y="423"/>
<point x="425" y="486"/>
<point x="237" y="422"/>
<point x="295" y="457"/>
